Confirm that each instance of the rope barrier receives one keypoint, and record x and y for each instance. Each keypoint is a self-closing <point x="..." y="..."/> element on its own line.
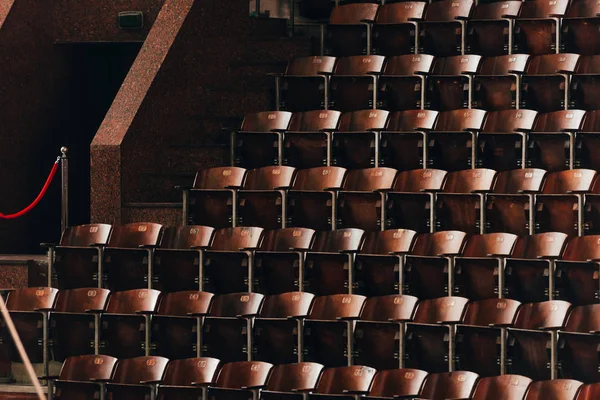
<point x="38" y="198"/>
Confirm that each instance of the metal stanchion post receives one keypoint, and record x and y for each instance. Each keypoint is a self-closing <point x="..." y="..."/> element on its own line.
<point x="64" y="168"/>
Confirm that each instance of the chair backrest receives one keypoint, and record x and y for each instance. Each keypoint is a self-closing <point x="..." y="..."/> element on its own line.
<point x="300" y="376"/>
<point x="509" y="121"/>
<point x="140" y="369"/>
<point x="583" y="248"/>
<point x="491" y="312"/>
<point x="389" y="308"/>
<point x="449" y="385"/>
<point x="505" y="387"/>
<point x="291" y="304"/>
<point x="589" y="392"/>
<point x="348" y="239"/>
<point x="234" y="239"/>
<point x="202" y="370"/>
<point x="358" y="65"/>
<point x="441" y="310"/>
<point x="31" y="299"/>
<point x="470" y="180"/>
<point x="540" y="245"/>
<point x="133" y="301"/>
<point x="591" y="122"/>
<point x="439" y="243"/>
<point x="389" y="241"/>
<point x="557" y="389"/>
<point x="269" y="178"/>
<point x="573" y="180"/>
<point x="448" y="10"/>
<point x="310" y="66"/>
<point x="412" y="120"/>
<point x="408" y="64"/>
<point x="87" y="368"/>
<point x="266" y="121"/>
<point x="587" y="64"/>
<point x="460" y="120"/>
<point x="363" y="121"/>
<point x="187" y="236"/>
<point x="519" y="180"/>
<point x="345" y="379"/>
<point x="240" y="374"/>
<point x="500" y="244"/>
<point x="319" y="178"/>
<point x="185" y="303"/>
<point x="545" y="315"/>
<point x="549" y="64"/>
<point x="584" y="319"/>
<point x="497" y="10"/>
<point x="398" y="382"/>
<point x="395" y="13"/>
<point x="418" y="180"/>
<point x="370" y="179"/>
<point x="455" y="65"/>
<point x="85" y="235"/>
<point x="583" y="9"/>
<point x="544" y="8"/>
<point x="219" y="178"/>
<point x="136" y="234"/>
<point x="236" y="304"/>
<point x="558" y="121"/>
<point x="337" y="306"/>
<point x="315" y="121"/>
<point x="81" y="300"/>
<point x="287" y="238"/>
<point x="353" y="13"/>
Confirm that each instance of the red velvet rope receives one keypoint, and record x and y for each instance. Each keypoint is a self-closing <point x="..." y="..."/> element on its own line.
<point x="38" y="198"/>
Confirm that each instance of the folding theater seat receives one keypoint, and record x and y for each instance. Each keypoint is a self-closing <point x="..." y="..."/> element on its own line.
<point x="178" y="259"/>
<point x="592" y="209"/>
<point x="577" y="271"/>
<point x="279" y="326"/>
<point x="510" y="387"/>
<point x="560" y="389"/>
<point x="125" y="325"/>
<point x="589" y="392"/>
<point x="329" y="329"/>
<point x="240" y="380"/>
<point x="75" y="322"/>
<point x="502" y="143"/>
<point x="305" y="84"/>
<point x="329" y="265"/>
<point x="228" y="262"/>
<point x="461" y="204"/>
<point x="578" y="28"/>
<point x="403" y="144"/>
<point x="411" y="202"/>
<point x="497" y="85"/>
<point x="380" y="262"/>
<point x="481" y="265"/>
<point x="291" y="381"/>
<point x="313" y="196"/>
<point x="29" y="309"/>
<point x="397" y="383"/>
<point x="262" y="200"/>
<point x="187" y="379"/>
<point x="258" y="142"/>
<point x="429" y="343"/>
<point x="177" y="324"/>
<point x="361" y="202"/>
<point x="82" y="377"/>
<point x="545" y="85"/>
<point x="396" y="28"/>
<point x="353" y="84"/>
<point x="212" y="199"/>
<point x="227" y="330"/>
<point x="451" y="146"/>
<point x="490" y="28"/>
<point x="74" y="262"/>
<point x="428" y="270"/>
<point x="560" y="205"/>
<point x="537" y="28"/>
<point x="481" y="338"/>
<point x="379" y="335"/>
<point x="532" y="341"/>
<point x="584" y="88"/>
<point x="578" y="345"/>
<point x="529" y="273"/>
<point x="307" y="143"/>
<point x="511" y="205"/>
<point x="443" y="30"/>
<point x="403" y="82"/>
<point x="129" y="256"/>
<point x="349" y="30"/>
<point x="355" y="144"/>
<point x="343" y="382"/>
<point x="279" y="261"/>
<point x="136" y="378"/>
<point x="450" y="85"/>
<point x="449" y="385"/>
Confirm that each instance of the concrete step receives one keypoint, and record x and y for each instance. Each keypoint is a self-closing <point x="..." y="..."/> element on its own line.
<point x="26" y="270"/>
